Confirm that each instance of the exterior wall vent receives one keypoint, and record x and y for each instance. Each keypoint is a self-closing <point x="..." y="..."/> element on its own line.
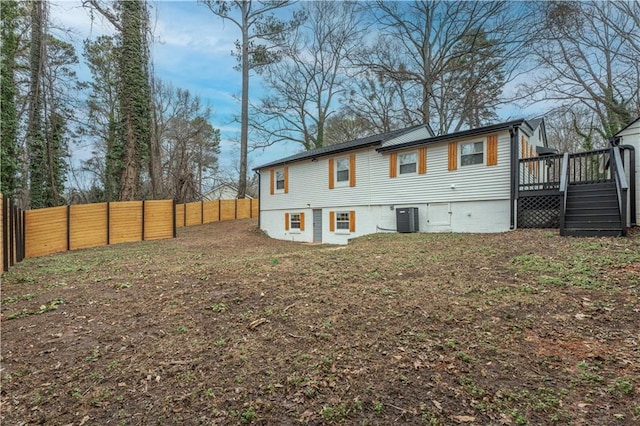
<point x="407" y="219"/>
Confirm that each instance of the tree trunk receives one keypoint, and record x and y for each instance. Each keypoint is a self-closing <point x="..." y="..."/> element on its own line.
<point x="244" y="114"/>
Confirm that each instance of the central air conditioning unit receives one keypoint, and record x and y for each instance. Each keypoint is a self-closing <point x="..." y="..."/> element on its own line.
<point x="407" y="219"/>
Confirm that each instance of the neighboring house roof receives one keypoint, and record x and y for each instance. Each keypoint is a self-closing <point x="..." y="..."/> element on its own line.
<point x="627" y="126"/>
<point x="346" y="146"/>
<point x="223" y="191"/>
<point x="521" y="123"/>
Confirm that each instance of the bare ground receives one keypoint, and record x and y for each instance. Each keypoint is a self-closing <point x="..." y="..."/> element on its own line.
<point x="226" y="326"/>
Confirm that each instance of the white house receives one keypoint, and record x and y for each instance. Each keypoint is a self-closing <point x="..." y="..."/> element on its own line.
<point x="460" y="182"/>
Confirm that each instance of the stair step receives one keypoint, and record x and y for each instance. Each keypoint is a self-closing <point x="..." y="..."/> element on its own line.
<point x="592" y="205"/>
<point x="592" y="224"/>
<point x="585" y="215"/>
<point x="591" y="232"/>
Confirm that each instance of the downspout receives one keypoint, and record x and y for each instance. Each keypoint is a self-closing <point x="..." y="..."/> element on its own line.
<point x="513" y="132"/>
<point x="259" y="200"/>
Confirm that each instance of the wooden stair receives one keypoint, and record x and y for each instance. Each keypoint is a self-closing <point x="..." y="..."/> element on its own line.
<point x="592" y="210"/>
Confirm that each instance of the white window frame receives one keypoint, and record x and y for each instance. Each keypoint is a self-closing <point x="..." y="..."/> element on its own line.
<point x="405" y="156"/>
<point x="276" y="175"/>
<point x="474" y="154"/>
<point x="341" y="221"/>
<point x="292" y="221"/>
<point x="345" y="181"/>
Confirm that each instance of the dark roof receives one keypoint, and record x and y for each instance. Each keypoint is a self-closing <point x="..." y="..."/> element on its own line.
<point x="627" y="126"/>
<point x="342" y="147"/>
<point x="463" y="134"/>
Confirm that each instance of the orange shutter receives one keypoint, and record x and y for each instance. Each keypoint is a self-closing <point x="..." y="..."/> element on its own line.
<point x="393" y="164"/>
<point x="332" y="221"/>
<point x="352" y="221"/>
<point x="286" y="221"/>
<point x="352" y="170"/>
<point x="302" y="221"/>
<point x="331" y="173"/>
<point x="422" y="160"/>
<point x="492" y="150"/>
<point x="453" y="156"/>
<point x="272" y="182"/>
<point x="286" y="180"/>
<point x="523" y="151"/>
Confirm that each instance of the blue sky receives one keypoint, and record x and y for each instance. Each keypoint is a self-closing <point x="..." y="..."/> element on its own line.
<point x="192" y="50"/>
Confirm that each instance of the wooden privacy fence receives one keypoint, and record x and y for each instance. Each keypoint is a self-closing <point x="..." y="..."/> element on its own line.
<point x="201" y="212"/>
<point x="40" y="232"/>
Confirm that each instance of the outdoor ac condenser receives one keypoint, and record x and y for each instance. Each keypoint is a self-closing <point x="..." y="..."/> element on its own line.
<point x="407" y="219"/>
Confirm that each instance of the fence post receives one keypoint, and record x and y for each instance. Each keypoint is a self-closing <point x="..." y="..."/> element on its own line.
<point x="201" y="212"/>
<point x="174" y="219"/>
<point x="23" y="218"/>
<point x="12" y="234"/>
<point x="68" y="227"/>
<point x="251" y="208"/>
<point x="143" y="208"/>
<point x="219" y="209"/>
<point x="235" y="213"/>
<point x="5" y="234"/>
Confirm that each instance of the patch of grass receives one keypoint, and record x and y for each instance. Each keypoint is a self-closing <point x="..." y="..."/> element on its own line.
<point x="122" y="286"/>
<point x="14" y="299"/>
<point x="248" y="415"/>
<point x="182" y="329"/>
<point x="218" y="307"/>
<point x="51" y="306"/>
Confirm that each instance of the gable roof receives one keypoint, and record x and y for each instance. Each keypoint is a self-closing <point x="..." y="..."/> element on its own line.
<point x="520" y="123"/>
<point x="627" y="126"/>
<point x="345" y="146"/>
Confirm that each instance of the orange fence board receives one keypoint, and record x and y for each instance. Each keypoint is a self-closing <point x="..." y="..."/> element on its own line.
<point x="88" y="223"/>
<point x="211" y="211"/>
<point x="46" y="231"/>
<point x="179" y="215"/>
<point x="158" y="219"/>
<point x="255" y="208"/>
<point x="227" y="209"/>
<point x="126" y="221"/>
<point x="244" y="208"/>
<point x="194" y="213"/>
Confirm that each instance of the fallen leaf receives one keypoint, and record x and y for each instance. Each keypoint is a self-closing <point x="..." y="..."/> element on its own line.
<point x="437" y="404"/>
<point x="464" y="419"/>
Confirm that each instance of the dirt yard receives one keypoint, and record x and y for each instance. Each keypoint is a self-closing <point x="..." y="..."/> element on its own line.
<point x="226" y="326"/>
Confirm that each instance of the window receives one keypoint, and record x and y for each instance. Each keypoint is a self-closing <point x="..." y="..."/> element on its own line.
<point x="295" y="220"/>
<point x="342" y="220"/>
<point x="342" y="170"/>
<point x="408" y="162"/>
<point x="279" y="179"/>
<point x="471" y="153"/>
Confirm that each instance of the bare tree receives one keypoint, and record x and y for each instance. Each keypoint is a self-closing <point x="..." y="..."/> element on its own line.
<point x="431" y="41"/>
<point x="262" y="34"/>
<point x="588" y="59"/>
<point x="305" y="84"/>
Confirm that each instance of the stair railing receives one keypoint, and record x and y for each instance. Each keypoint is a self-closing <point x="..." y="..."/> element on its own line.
<point x="564" y="182"/>
<point x="617" y="171"/>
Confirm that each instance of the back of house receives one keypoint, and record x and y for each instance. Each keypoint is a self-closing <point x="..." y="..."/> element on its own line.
<point x="403" y="181"/>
